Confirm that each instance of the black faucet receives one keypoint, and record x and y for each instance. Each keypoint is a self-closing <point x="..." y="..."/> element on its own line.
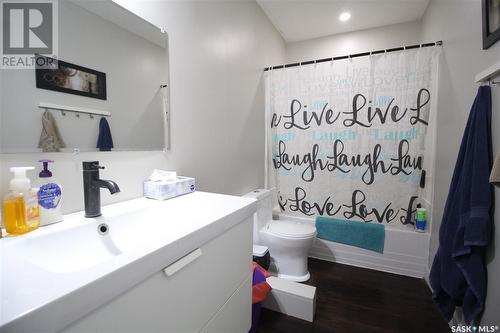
<point x="91" y="188"/>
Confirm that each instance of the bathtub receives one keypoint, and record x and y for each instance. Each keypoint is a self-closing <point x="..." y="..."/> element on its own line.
<point x="406" y="252"/>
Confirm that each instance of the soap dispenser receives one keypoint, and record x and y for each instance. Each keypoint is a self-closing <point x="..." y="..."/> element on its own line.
<point x="20" y="205"/>
<point x="49" y="196"/>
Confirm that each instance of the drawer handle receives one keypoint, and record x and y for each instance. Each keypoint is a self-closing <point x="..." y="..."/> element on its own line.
<point x="182" y="262"/>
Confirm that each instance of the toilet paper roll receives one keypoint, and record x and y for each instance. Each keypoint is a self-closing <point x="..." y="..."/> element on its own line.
<point x="495" y="172"/>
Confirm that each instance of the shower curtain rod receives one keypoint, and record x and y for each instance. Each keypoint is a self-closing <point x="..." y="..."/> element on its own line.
<point x="416" y="46"/>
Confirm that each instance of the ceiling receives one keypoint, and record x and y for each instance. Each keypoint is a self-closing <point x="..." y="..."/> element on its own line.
<point x="298" y="20"/>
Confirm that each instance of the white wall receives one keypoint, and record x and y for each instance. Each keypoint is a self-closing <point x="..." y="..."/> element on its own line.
<point x="458" y="24"/>
<point x="133" y="82"/>
<point x="217" y="52"/>
<point x="128" y="169"/>
<point x="387" y="37"/>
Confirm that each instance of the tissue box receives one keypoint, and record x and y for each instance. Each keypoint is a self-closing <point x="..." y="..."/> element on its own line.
<point x="166" y="189"/>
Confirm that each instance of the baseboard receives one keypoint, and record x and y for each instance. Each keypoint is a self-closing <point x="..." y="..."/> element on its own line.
<point x="390" y="261"/>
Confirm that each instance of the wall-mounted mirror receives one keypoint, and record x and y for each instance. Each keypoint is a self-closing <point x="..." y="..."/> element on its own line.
<point x="97" y="37"/>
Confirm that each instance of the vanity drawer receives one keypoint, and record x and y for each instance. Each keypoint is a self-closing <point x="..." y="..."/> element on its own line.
<point x="236" y="315"/>
<point x="184" y="296"/>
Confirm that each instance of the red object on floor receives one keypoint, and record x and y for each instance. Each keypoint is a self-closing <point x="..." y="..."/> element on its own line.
<point x="260" y="288"/>
<point x="257" y="266"/>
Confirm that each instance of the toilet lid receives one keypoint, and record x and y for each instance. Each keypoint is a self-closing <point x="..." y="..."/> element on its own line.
<point x="291" y="229"/>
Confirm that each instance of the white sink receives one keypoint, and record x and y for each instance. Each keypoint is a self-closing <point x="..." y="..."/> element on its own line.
<point x="69" y="250"/>
<point x="134" y="229"/>
<point x="91" y="242"/>
<point x="67" y="269"/>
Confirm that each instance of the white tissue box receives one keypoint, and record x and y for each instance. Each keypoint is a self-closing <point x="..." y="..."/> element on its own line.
<point x="167" y="189"/>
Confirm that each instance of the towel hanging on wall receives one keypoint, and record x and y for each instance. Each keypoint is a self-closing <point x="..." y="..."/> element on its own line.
<point x="50" y="138"/>
<point x="105" y="140"/>
<point x="458" y="274"/>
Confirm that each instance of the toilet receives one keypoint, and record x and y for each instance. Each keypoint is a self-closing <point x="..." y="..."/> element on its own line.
<point x="288" y="241"/>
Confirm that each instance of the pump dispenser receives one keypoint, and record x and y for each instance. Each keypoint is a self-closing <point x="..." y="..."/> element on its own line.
<point x="20" y="183"/>
<point x="20" y="205"/>
<point x="49" y="196"/>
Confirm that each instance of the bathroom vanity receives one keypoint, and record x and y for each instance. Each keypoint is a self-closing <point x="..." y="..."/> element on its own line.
<point x="181" y="265"/>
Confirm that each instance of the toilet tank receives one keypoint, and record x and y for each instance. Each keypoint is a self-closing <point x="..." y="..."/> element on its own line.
<point x="264" y="210"/>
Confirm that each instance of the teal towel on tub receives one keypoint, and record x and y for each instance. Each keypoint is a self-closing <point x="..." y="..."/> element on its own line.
<point x="368" y="236"/>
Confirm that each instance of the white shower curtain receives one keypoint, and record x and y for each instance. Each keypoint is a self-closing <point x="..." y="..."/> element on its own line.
<point x="347" y="138"/>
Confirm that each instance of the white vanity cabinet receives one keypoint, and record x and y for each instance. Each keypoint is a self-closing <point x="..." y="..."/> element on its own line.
<point x="208" y="289"/>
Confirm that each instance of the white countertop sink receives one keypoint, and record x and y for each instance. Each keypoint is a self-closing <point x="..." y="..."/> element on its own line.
<point x="59" y="273"/>
<point x="66" y="251"/>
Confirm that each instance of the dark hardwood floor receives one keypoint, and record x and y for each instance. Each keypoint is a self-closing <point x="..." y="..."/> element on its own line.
<point x="352" y="300"/>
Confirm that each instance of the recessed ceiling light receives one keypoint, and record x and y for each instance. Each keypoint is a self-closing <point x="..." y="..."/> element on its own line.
<point x="345" y="16"/>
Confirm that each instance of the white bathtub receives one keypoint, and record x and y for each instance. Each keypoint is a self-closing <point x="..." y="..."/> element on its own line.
<point x="406" y="252"/>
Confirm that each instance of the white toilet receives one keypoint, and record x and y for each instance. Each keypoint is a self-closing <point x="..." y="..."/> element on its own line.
<point x="288" y="241"/>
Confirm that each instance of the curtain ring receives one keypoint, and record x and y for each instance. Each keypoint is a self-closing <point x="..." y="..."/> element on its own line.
<point x="91" y="116"/>
<point x="63" y="113"/>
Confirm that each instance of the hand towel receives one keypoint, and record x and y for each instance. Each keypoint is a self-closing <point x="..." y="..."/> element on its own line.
<point x="105" y="140"/>
<point x="495" y="172"/>
<point x="50" y="138"/>
<point x="458" y="274"/>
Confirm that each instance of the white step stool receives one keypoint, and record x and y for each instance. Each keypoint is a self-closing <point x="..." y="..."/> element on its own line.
<point x="291" y="298"/>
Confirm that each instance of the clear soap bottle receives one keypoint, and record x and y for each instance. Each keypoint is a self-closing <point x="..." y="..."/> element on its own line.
<point x="20" y="205"/>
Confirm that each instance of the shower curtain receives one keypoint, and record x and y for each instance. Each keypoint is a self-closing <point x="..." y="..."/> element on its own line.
<point x="347" y="138"/>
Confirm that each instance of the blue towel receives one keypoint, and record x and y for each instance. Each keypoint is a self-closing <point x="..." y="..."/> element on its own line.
<point x="105" y="140"/>
<point x="458" y="274"/>
<point x="360" y="234"/>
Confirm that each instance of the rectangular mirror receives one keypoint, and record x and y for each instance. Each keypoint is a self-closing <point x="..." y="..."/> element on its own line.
<point x="113" y="65"/>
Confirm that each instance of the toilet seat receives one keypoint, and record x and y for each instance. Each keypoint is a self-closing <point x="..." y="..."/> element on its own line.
<point x="290" y="229"/>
